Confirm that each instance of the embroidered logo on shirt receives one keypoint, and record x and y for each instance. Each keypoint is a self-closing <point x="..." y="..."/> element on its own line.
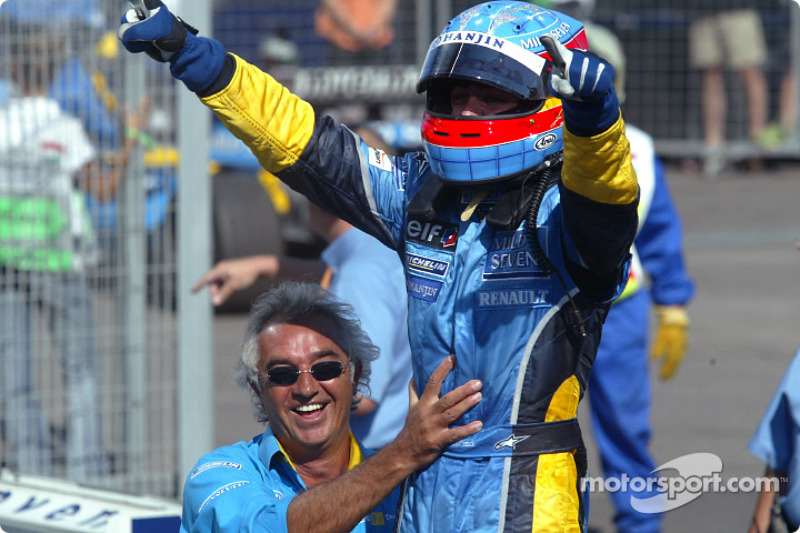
<point x="423" y="289"/>
<point x="510" y="257"/>
<point x="426" y="265"/>
<point x="378" y="158"/>
<point x="513" y="297"/>
<point x="434" y="234"/>
<point x="510" y="442"/>
<point x="220" y="491"/>
<point x="215" y="464"/>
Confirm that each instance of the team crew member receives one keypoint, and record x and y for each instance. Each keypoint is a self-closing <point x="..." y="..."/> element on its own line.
<point x="511" y="260"/>
<point x="363" y="273"/>
<point x="619" y="387"/>
<point x="303" y="358"/>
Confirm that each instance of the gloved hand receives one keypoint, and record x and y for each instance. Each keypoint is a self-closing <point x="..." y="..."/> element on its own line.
<point x="196" y="61"/>
<point x="160" y="34"/>
<point x="671" y="338"/>
<point x="585" y="84"/>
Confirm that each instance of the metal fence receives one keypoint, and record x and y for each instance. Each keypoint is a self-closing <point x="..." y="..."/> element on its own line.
<point x="664" y="92"/>
<point x="88" y="335"/>
<point x="105" y="363"/>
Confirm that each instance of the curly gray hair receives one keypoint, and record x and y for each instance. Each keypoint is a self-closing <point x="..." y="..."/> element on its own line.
<point x="287" y="303"/>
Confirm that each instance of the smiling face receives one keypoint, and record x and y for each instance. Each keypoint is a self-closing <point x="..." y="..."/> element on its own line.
<point x="309" y="417"/>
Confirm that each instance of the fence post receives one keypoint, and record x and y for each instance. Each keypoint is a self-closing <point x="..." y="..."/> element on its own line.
<point x="794" y="61"/>
<point x="133" y="289"/>
<point x="195" y="334"/>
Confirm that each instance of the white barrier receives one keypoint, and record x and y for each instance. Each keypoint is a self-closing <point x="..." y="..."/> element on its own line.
<point x="31" y="504"/>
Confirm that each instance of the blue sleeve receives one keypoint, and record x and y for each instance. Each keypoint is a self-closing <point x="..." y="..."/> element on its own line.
<point x="228" y="494"/>
<point x="338" y="172"/>
<point x="660" y="247"/>
<point x="777" y="439"/>
<point x="375" y="289"/>
<point x="597" y="244"/>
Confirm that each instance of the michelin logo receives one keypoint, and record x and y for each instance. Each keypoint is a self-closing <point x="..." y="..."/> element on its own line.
<point x="425" y="265"/>
<point x="215" y="464"/>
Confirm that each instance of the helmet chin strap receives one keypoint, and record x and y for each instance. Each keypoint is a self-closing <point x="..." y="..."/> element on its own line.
<point x="523" y="194"/>
<point x="506" y="214"/>
<point x="477" y="199"/>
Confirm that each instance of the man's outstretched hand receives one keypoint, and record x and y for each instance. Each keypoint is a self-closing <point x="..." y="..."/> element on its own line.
<point x="151" y="28"/>
<point x="428" y="430"/>
<point x="585" y="84"/>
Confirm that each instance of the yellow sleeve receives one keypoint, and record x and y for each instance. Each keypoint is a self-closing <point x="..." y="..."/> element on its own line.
<point x="600" y="167"/>
<point x="272" y="121"/>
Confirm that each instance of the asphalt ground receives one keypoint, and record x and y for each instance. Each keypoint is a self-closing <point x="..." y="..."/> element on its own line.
<point x="740" y="230"/>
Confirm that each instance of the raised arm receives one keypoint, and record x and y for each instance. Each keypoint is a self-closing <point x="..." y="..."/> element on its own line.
<point x="599" y="190"/>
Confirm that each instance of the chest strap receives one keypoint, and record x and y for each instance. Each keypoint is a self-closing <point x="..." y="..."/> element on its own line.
<point x="519" y="440"/>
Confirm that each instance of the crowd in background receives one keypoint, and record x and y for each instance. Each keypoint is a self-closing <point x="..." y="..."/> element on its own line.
<point x="704" y="98"/>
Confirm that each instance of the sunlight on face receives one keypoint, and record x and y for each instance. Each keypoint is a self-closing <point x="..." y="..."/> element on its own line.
<point x="471" y="99"/>
<point x="308" y="416"/>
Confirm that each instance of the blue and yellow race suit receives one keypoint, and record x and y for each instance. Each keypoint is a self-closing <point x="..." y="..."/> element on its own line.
<point x="476" y="289"/>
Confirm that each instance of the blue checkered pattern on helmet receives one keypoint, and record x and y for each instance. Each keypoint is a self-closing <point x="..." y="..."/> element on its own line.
<point x="497" y="44"/>
<point x="490" y="162"/>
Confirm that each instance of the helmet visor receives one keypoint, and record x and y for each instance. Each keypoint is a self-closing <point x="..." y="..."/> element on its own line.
<point x="487" y="65"/>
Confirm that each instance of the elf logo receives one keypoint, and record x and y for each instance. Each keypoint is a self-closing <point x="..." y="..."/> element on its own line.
<point x="545" y="141"/>
<point x="449" y="238"/>
<point x="435" y="234"/>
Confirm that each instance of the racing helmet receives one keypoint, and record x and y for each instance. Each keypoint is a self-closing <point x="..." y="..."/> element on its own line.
<point x="579" y="9"/>
<point x="497" y="44"/>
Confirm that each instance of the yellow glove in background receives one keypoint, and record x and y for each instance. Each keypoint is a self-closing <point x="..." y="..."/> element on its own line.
<point x="671" y="338"/>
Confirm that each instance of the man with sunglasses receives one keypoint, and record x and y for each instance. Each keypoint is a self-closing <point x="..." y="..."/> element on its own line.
<point x="514" y="226"/>
<point x="304" y="358"/>
<point x="364" y="274"/>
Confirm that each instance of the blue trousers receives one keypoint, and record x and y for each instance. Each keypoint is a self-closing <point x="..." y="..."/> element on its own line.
<point x="619" y="400"/>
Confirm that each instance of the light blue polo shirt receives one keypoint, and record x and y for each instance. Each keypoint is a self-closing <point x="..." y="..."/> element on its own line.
<point x="246" y="487"/>
<point x="777" y="440"/>
<point x="369" y="276"/>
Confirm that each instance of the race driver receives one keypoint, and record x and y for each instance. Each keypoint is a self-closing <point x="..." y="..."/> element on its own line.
<point x="514" y="226"/>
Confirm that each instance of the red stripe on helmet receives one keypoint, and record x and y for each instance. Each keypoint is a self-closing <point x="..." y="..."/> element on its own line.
<point x="465" y="133"/>
<point x="578" y="42"/>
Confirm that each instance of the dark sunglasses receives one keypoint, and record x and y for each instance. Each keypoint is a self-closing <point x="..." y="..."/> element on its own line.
<point x="288" y="375"/>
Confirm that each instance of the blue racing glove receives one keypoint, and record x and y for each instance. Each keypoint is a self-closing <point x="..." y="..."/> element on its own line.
<point x="585" y="85"/>
<point x="151" y="28"/>
<point x="154" y="30"/>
